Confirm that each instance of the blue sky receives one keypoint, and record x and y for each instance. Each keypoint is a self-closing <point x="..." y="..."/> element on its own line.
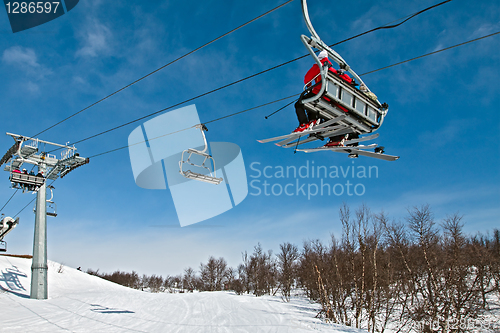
<point x="443" y="120"/>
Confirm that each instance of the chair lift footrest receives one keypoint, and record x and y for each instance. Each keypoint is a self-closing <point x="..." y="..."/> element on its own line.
<point x="198" y="176"/>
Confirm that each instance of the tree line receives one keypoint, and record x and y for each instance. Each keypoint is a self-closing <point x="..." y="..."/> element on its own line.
<point x="409" y="275"/>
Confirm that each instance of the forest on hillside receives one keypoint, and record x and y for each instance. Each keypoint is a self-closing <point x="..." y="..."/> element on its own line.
<point x="413" y="275"/>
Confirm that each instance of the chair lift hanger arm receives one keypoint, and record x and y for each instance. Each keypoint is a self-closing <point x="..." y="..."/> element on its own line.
<point x="316" y="41"/>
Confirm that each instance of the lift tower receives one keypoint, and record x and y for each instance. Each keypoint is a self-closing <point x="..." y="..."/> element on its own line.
<point x="34" y="151"/>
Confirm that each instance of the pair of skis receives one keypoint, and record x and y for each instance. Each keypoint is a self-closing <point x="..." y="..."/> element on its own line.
<point x="325" y="130"/>
<point x="316" y="130"/>
<point x="356" y="150"/>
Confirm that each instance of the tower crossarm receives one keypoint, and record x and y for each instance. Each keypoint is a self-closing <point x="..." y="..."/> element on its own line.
<point x="67" y="165"/>
<point x="26" y="150"/>
<point x="8" y="155"/>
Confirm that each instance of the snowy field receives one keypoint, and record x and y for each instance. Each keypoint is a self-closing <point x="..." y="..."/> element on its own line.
<point x="79" y="302"/>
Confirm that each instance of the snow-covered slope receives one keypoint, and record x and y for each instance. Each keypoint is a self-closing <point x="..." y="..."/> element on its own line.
<point x="79" y="302"/>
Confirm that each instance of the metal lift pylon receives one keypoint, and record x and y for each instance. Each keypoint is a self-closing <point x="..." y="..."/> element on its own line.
<point x="26" y="150"/>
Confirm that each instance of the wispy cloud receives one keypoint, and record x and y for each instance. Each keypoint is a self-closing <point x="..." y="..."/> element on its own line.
<point x="24" y="58"/>
<point x="32" y="87"/>
<point x="96" y="38"/>
<point x="485" y="29"/>
<point x="448" y="133"/>
<point x="467" y="200"/>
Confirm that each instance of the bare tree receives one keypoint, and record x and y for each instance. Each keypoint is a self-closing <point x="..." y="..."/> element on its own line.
<point x="213" y="274"/>
<point x="261" y="271"/>
<point x="287" y="258"/>
<point x="155" y="284"/>
<point x="410" y="274"/>
<point x="189" y="279"/>
<point x="208" y="274"/>
<point x="232" y="282"/>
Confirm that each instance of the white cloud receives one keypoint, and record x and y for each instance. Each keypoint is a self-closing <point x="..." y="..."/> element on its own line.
<point x="24" y="58"/>
<point x="447" y="134"/>
<point x="461" y="199"/>
<point x="32" y="87"/>
<point x="96" y="40"/>
<point x="79" y="80"/>
<point x="485" y="29"/>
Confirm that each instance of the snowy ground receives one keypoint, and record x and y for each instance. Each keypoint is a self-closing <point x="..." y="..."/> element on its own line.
<point x="79" y="302"/>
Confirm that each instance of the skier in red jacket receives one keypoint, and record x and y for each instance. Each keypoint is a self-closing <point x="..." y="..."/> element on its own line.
<point x="313" y="74"/>
<point x="308" y="121"/>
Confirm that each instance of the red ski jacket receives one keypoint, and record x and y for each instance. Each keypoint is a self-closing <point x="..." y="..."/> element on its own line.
<point x="313" y="74"/>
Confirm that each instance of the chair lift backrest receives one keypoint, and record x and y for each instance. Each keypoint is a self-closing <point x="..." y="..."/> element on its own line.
<point x="211" y="177"/>
<point x="24" y="178"/>
<point x="365" y="114"/>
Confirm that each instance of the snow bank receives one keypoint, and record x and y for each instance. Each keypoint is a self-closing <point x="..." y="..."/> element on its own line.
<point x="79" y="302"/>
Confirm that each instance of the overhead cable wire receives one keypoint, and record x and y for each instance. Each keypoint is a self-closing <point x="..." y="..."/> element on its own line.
<point x="29" y="203"/>
<point x="184" y="129"/>
<point x="241" y="80"/>
<point x="373" y="71"/>
<point x="164" y="66"/>
<point x="159" y="111"/>
<point x="232" y="83"/>
<point x="393" y="25"/>
<point x="281" y="108"/>
<point x="1" y="209"/>
<point x="428" y="54"/>
<point x="254" y="75"/>
<point x="256" y="107"/>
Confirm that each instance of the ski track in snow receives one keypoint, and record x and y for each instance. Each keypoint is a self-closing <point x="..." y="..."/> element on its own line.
<point x="79" y="302"/>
